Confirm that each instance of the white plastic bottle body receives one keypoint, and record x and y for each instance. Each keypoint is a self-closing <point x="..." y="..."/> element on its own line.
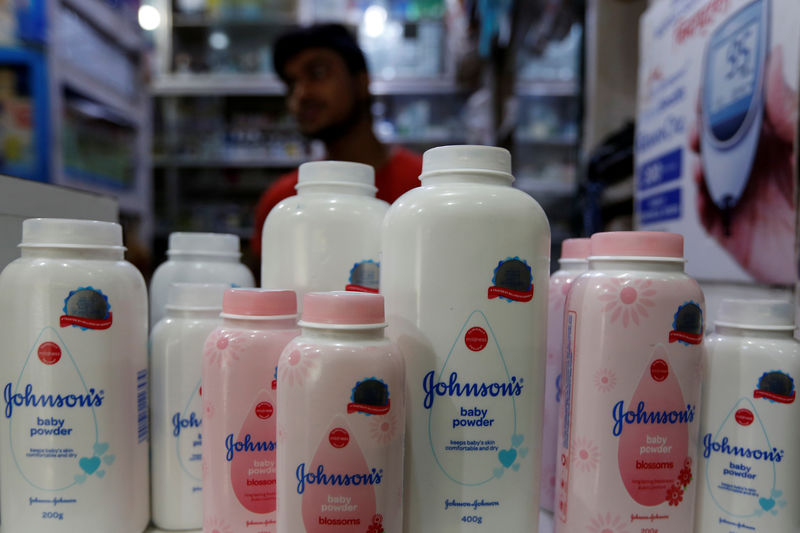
<point x="474" y="357"/>
<point x="323" y="241"/>
<point x="749" y="474"/>
<point x="75" y="431"/>
<point x="194" y="269"/>
<point x="323" y="430"/>
<point x="177" y="414"/>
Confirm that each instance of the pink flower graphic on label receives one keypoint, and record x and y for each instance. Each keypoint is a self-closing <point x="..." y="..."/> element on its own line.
<point x="377" y="524"/>
<point x="605" y="380"/>
<point x="297" y="367"/>
<point x="384" y="428"/>
<point x="606" y="524"/>
<point x="223" y="347"/>
<point x="586" y="456"/>
<point x="216" y="525"/>
<point x="627" y="300"/>
<point x="685" y="476"/>
<point x="675" y="494"/>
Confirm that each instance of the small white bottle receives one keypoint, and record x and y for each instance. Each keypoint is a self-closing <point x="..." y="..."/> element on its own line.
<point x="466" y="262"/>
<point x="327" y="237"/>
<point x="73" y="320"/>
<point x="749" y="472"/>
<point x="197" y="258"/>
<point x="176" y="406"/>
<point x="341" y="418"/>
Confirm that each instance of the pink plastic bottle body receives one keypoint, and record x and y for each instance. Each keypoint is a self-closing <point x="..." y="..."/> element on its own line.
<point x="630" y="404"/>
<point x="340" y="461"/>
<point x="239" y="431"/>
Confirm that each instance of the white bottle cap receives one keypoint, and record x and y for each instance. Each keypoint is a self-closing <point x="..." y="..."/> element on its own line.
<point x="216" y="244"/>
<point x="70" y="233"/>
<point x="467" y="159"/>
<point x="337" y="173"/>
<point x="776" y="315"/>
<point x="196" y="296"/>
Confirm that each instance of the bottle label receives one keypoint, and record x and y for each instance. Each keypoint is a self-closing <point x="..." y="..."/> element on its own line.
<point x="187" y="431"/>
<point x="512" y="281"/>
<point x="86" y="308"/>
<point x="364" y="277"/>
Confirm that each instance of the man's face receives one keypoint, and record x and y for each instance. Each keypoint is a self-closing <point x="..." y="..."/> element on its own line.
<point x="323" y="95"/>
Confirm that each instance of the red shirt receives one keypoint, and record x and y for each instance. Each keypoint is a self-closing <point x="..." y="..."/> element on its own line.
<point x="398" y="175"/>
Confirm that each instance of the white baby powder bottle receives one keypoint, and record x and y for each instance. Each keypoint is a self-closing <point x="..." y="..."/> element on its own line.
<point x="630" y="389"/>
<point x="176" y="362"/>
<point x="465" y="275"/>
<point x="572" y="264"/>
<point x="240" y="364"/>
<point x="197" y="258"/>
<point x="749" y="470"/>
<point x="341" y="420"/>
<point x="327" y="237"/>
<point x="73" y="319"/>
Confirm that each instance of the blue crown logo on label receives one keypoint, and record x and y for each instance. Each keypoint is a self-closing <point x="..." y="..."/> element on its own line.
<point x="512" y="281"/>
<point x="687" y="326"/>
<point x="370" y="397"/>
<point x="776" y="386"/>
<point x="86" y="308"/>
<point x="365" y="277"/>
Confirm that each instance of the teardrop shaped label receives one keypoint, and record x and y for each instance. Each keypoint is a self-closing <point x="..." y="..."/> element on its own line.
<point x="653" y="431"/>
<point x="252" y="456"/>
<point x="472" y="411"/>
<point x="338" y="487"/>
<point x="741" y="463"/>
<point x="187" y="428"/>
<point x="51" y="416"/>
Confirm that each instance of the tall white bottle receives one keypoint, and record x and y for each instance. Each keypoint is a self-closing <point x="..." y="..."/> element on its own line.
<point x="176" y="369"/>
<point x="465" y="276"/>
<point x="749" y="470"/>
<point x="197" y="258"/>
<point x="327" y="238"/>
<point x="74" y="435"/>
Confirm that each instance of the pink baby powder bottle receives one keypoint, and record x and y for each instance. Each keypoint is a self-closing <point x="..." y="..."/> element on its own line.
<point x="239" y="409"/>
<point x="572" y="264"/>
<point x="341" y="390"/>
<point x="631" y="380"/>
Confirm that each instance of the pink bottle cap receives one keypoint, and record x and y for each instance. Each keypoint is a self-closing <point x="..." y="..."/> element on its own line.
<point x="343" y="308"/>
<point x="259" y="303"/>
<point x="576" y="248"/>
<point x="637" y="244"/>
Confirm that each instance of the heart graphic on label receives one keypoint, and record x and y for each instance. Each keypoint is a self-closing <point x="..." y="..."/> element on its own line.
<point x="516" y="440"/>
<point x="109" y="459"/>
<point x="767" y="504"/>
<point x="498" y="472"/>
<point x="101" y="474"/>
<point x="89" y="464"/>
<point x="777" y="493"/>
<point x="523" y="452"/>
<point x="100" y="448"/>
<point x="507" y="457"/>
<point x="515" y="467"/>
<point x="80" y="478"/>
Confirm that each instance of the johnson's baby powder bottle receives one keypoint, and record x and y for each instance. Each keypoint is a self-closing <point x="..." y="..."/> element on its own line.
<point x="341" y="420"/>
<point x="327" y="238"/>
<point x="466" y="261"/>
<point x="630" y="401"/>
<point x="240" y="362"/>
<point x="572" y="264"/>
<point x="749" y="471"/>
<point x="73" y="319"/>
<point x="176" y="363"/>
<point x="197" y="258"/>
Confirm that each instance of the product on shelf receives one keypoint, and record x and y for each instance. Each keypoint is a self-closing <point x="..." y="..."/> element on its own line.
<point x="341" y="419"/>
<point x="327" y="237"/>
<point x="749" y="474"/>
<point x="466" y="261"/>
<point x="197" y="258"/>
<point x="572" y="264"/>
<point x="176" y="358"/>
<point x="630" y="389"/>
<point x="73" y="319"/>
<point x="240" y="361"/>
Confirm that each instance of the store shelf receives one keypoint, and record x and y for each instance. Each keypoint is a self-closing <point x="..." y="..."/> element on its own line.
<point x="551" y="142"/>
<point x="242" y="162"/>
<point x="88" y="86"/>
<point x="411" y="86"/>
<point x="546" y="88"/>
<point x="203" y="20"/>
<point x="104" y="18"/>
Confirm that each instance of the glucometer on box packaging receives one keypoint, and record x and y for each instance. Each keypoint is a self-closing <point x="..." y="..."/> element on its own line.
<point x="733" y="102"/>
